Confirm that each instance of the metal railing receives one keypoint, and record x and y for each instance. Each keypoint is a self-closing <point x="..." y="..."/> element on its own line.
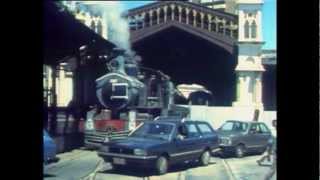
<point x="198" y="24"/>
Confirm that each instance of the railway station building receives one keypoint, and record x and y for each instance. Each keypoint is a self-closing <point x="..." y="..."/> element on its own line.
<point x="214" y="44"/>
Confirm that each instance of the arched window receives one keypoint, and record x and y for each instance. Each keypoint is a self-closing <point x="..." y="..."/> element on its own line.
<point x="213" y="24"/>
<point x="154" y="17"/>
<point x="184" y="15"/>
<point x="246" y="29"/>
<point x="93" y="26"/>
<point x="176" y="13"/>
<point x="198" y="19"/>
<point x="206" y="22"/>
<point x="169" y="12"/>
<point x="191" y="18"/>
<point x="99" y="28"/>
<point x="253" y="29"/>
<point x="147" y="20"/>
<point x="161" y="15"/>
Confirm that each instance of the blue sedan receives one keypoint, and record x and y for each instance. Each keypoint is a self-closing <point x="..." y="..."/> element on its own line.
<point x="161" y="143"/>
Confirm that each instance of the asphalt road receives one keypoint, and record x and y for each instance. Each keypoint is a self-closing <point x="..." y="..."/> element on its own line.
<point x="86" y="165"/>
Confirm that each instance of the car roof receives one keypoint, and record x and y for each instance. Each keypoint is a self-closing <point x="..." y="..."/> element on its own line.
<point x="167" y="121"/>
<point x="250" y="122"/>
<point x="176" y="120"/>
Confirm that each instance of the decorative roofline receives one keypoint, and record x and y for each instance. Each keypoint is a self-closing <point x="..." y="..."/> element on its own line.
<point x="155" y="5"/>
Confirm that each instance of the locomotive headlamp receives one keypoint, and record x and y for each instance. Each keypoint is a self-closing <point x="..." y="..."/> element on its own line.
<point x="89" y="125"/>
<point x="119" y="91"/>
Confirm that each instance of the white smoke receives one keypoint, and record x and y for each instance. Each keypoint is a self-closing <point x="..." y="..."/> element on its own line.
<point x="117" y="27"/>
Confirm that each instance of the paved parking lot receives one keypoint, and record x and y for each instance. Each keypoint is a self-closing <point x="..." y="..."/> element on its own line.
<point x="86" y="165"/>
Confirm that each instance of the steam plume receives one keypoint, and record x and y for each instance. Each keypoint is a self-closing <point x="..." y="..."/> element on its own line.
<point x="117" y="26"/>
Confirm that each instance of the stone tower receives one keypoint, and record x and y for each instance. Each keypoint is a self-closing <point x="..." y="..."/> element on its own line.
<point x="249" y="68"/>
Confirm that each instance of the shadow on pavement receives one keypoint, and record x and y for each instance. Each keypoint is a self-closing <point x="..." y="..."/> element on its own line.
<point x="128" y="171"/>
<point x="68" y="142"/>
<point x="230" y="155"/>
<point x="49" y="175"/>
<point x="140" y="172"/>
<point x="185" y="167"/>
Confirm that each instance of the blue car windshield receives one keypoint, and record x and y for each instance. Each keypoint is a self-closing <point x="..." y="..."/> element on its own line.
<point x="154" y="130"/>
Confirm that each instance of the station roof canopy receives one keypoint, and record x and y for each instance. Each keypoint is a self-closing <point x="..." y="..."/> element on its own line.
<point x="64" y="35"/>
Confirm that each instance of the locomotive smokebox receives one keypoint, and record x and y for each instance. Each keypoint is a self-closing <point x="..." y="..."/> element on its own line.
<point x="118" y="91"/>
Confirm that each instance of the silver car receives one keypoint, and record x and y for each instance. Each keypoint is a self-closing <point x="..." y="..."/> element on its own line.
<point x="240" y="137"/>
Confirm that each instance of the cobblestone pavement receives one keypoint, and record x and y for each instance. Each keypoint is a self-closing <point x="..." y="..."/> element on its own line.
<point x="247" y="169"/>
<point x="86" y="165"/>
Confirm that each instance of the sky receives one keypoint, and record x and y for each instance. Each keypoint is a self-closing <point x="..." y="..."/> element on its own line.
<point x="268" y="19"/>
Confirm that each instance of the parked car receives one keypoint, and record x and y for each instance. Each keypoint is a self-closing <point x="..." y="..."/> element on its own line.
<point x="240" y="137"/>
<point x="49" y="149"/>
<point x="161" y="143"/>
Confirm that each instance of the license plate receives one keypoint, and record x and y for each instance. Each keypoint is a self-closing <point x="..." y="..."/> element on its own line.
<point x="119" y="161"/>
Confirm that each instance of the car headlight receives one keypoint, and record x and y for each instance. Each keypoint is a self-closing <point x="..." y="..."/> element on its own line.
<point x="225" y="141"/>
<point x="139" y="152"/>
<point x="105" y="148"/>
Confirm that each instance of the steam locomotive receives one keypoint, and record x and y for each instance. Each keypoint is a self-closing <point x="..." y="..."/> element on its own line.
<point x="129" y="86"/>
<point x="128" y="95"/>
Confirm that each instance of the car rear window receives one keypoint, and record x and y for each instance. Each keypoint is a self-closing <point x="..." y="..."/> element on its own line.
<point x="205" y="128"/>
<point x="263" y="128"/>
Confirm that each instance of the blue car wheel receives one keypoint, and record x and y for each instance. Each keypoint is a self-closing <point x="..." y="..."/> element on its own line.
<point x="162" y="165"/>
